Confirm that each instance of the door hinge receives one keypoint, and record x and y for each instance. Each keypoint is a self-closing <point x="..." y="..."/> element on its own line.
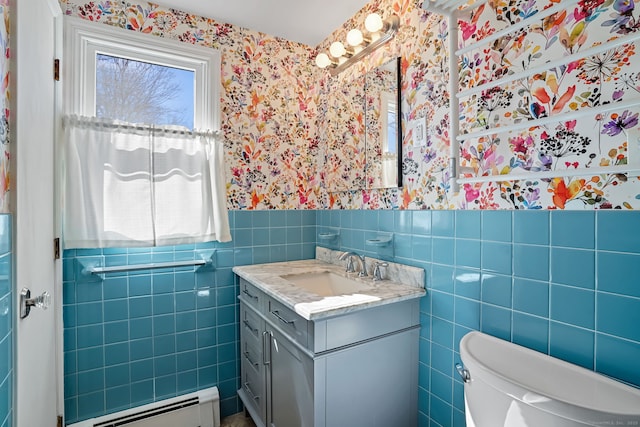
<point x="56" y="248"/>
<point x="60" y="421"/>
<point x="56" y="69"/>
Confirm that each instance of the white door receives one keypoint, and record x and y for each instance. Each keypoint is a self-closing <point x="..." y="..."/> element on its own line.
<point x="37" y="361"/>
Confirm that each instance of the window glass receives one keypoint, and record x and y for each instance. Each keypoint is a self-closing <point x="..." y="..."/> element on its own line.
<point x="144" y="92"/>
<point x="392" y="128"/>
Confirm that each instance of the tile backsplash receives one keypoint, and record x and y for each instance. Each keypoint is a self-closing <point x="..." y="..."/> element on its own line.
<point x="560" y="282"/>
<point x="6" y="324"/>
<point x="134" y="338"/>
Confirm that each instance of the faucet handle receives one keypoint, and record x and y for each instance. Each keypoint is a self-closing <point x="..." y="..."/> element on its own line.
<point x="377" y="273"/>
<point x="350" y="267"/>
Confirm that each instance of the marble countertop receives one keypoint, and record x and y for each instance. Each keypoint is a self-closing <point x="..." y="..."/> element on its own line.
<point x="268" y="278"/>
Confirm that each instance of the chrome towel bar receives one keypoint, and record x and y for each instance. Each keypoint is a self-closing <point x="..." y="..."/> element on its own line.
<point x="154" y="265"/>
<point x="93" y="268"/>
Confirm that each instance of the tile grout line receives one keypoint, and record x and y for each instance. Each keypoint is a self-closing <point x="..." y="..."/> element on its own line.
<point x="596" y="286"/>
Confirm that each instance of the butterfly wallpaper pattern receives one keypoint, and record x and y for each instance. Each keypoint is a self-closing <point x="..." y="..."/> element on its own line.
<point x="277" y="107"/>
<point x="598" y="80"/>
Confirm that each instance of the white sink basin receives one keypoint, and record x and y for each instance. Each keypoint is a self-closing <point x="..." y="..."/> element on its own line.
<point x="326" y="283"/>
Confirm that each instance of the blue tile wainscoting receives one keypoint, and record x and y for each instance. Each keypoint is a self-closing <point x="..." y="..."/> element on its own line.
<point x="133" y="338"/>
<point x="561" y="282"/>
<point x="6" y="324"/>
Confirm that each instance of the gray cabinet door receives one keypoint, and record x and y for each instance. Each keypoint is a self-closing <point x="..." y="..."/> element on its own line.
<point x="291" y="385"/>
<point x="373" y="384"/>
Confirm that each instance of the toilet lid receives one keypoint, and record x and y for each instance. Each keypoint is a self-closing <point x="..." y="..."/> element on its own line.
<point x="546" y="382"/>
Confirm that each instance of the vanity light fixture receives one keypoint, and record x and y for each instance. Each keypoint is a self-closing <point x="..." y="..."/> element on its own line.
<point x="359" y="44"/>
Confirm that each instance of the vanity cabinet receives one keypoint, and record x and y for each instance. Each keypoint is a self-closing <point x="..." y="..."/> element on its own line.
<point x="253" y="388"/>
<point x="291" y="383"/>
<point x="355" y="369"/>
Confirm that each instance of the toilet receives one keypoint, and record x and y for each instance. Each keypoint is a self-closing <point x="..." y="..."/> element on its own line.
<point x="507" y="385"/>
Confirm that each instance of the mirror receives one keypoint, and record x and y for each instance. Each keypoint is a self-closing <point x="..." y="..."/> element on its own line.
<point x="363" y="132"/>
<point x="345" y="158"/>
<point x="383" y="138"/>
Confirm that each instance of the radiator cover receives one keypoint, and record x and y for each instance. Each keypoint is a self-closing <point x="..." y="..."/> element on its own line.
<point x="199" y="409"/>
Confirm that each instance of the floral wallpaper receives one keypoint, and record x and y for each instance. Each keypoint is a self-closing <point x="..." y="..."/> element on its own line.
<point x="268" y="100"/>
<point x="344" y="155"/>
<point x="4" y="108"/>
<point x="581" y="81"/>
<point x="421" y="44"/>
<point x="292" y="144"/>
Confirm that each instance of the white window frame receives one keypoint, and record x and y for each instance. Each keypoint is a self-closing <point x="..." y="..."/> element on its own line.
<point x="83" y="40"/>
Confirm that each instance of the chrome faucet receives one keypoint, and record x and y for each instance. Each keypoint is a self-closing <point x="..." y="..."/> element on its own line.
<point x="377" y="274"/>
<point x="349" y="256"/>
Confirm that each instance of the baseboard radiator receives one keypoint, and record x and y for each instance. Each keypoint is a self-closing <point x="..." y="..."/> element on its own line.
<point x="199" y="409"/>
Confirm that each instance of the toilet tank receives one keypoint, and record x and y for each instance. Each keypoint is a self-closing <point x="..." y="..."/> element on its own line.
<point x="513" y="386"/>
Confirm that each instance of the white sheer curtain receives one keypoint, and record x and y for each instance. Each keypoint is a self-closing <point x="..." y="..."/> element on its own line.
<point x="135" y="185"/>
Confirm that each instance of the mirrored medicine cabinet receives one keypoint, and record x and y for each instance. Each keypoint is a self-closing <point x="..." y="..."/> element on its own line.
<point x="364" y="138"/>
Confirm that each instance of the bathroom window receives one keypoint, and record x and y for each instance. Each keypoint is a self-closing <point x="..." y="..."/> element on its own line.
<point x="143" y="157"/>
<point x="143" y="92"/>
<point x="139" y="78"/>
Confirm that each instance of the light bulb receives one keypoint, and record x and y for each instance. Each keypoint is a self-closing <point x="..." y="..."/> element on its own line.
<point x="337" y="49"/>
<point x="373" y="23"/>
<point x="354" y="37"/>
<point x="322" y="60"/>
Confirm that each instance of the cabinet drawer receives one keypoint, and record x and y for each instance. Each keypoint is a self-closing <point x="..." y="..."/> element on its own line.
<point x="253" y="389"/>
<point x="363" y="325"/>
<point x="251" y="326"/>
<point x="251" y="295"/>
<point x="287" y="320"/>
<point x="252" y="357"/>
